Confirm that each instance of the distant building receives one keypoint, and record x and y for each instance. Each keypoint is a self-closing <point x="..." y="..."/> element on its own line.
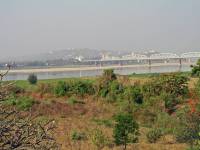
<point x="79" y="58"/>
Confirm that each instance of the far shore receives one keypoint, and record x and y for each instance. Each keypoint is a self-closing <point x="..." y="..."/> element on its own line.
<point x="65" y="69"/>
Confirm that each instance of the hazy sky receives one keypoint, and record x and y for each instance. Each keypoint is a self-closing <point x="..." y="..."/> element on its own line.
<point x="33" y="26"/>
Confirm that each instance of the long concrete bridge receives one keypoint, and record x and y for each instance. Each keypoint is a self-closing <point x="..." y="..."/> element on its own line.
<point x="158" y="57"/>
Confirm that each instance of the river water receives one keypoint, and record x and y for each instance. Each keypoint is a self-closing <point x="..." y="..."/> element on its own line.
<point x="96" y="72"/>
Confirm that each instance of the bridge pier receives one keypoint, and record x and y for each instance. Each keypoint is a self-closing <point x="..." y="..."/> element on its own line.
<point x="149" y="62"/>
<point x="180" y="64"/>
<point x="80" y="73"/>
<point x="120" y="63"/>
<point x="101" y="64"/>
<point x="189" y="60"/>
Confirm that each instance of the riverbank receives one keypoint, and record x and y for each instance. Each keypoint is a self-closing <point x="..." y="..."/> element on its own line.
<point x="65" y="69"/>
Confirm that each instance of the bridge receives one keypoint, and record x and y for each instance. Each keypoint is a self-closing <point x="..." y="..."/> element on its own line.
<point x="163" y="57"/>
<point x="191" y="55"/>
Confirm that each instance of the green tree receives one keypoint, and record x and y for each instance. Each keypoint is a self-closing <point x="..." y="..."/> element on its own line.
<point x="125" y="130"/>
<point x="108" y="86"/>
<point x="32" y="79"/>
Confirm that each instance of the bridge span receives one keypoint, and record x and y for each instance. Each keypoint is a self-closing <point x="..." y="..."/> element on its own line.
<point x="143" y="59"/>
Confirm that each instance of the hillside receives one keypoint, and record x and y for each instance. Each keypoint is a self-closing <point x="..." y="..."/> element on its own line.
<point x="84" y="109"/>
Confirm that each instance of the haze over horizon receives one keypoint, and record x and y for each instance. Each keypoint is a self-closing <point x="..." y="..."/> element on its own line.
<point x="38" y="26"/>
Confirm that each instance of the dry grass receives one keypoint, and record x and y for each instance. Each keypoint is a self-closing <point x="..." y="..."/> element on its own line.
<point x="78" y="117"/>
<point x="74" y="121"/>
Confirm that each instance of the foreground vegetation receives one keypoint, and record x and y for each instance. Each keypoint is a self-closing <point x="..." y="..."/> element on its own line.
<point x="157" y="111"/>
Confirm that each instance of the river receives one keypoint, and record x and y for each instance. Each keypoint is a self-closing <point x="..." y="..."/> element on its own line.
<point x="95" y="71"/>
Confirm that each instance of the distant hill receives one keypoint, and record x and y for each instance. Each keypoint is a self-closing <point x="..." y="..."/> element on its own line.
<point x="70" y="53"/>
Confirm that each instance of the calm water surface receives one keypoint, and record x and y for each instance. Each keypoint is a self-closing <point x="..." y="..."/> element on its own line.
<point x="89" y="73"/>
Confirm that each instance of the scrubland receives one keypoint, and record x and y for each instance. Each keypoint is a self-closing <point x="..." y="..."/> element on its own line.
<point x="166" y="108"/>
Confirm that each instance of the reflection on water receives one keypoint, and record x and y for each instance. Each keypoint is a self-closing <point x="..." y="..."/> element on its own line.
<point x="88" y="73"/>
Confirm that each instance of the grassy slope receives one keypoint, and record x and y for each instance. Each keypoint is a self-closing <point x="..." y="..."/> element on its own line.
<point x="81" y="118"/>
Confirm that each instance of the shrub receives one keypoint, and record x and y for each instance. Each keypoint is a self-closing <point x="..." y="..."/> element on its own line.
<point x="153" y="135"/>
<point x="146" y="116"/>
<point x="197" y="88"/>
<point x="77" y="136"/>
<point x="173" y="84"/>
<point x="196" y="146"/>
<point x="99" y="139"/>
<point x="81" y="88"/>
<point x="198" y="142"/>
<point x="166" y="123"/>
<point x="196" y="69"/>
<point x="108" y="87"/>
<point x="22" y="103"/>
<point x="32" y="79"/>
<point x="188" y="130"/>
<point x="14" y="89"/>
<point x="44" y="88"/>
<point x="170" y="102"/>
<point x="20" y="131"/>
<point x="74" y="87"/>
<point x="125" y="130"/>
<point x="61" y="88"/>
<point x="133" y="94"/>
<point x="109" y="74"/>
<point x="115" y="87"/>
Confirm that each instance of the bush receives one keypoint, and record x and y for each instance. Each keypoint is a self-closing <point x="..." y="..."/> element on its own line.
<point x="146" y="116"/>
<point x="125" y="130"/>
<point x="77" y="136"/>
<point x="196" y="69"/>
<point x="153" y="135"/>
<point x="173" y="84"/>
<point x="81" y="88"/>
<point x="44" y="88"/>
<point x="74" y="87"/>
<point x="32" y="79"/>
<point x="22" y="103"/>
<point x="188" y="130"/>
<point x="196" y="145"/>
<point x="115" y="87"/>
<point x="14" y="89"/>
<point x="166" y="123"/>
<point x="108" y="87"/>
<point x="99" y="139"/>
<point x="61" y="88"/>
<point x="197" y="88"/>
<point x="133" y="94"/>
<point x="109" y="74"/>
<point x="170" y="102"/>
